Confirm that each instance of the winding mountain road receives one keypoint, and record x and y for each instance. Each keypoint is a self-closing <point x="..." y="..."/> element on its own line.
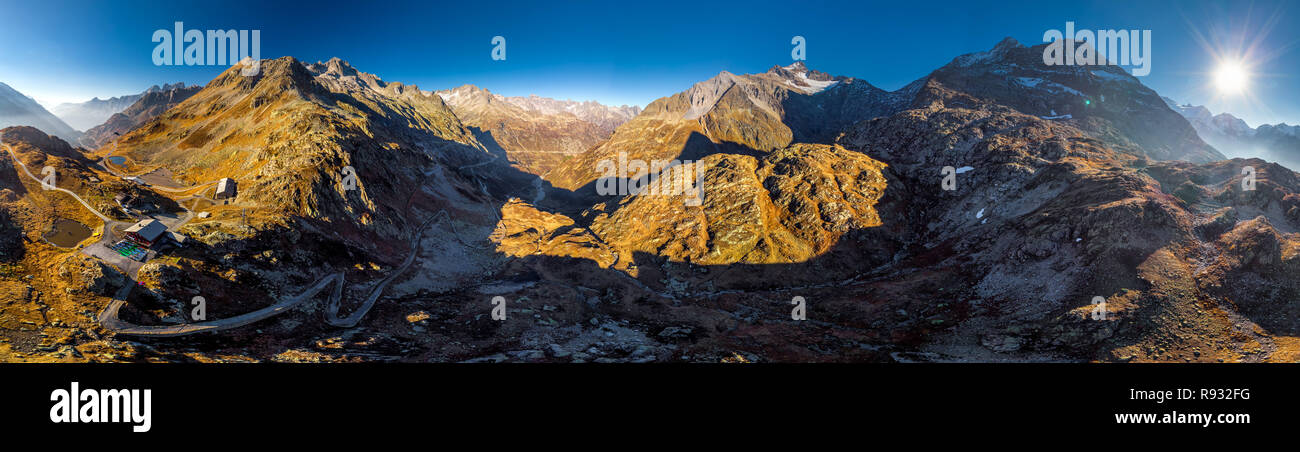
<point x="332" y="312"/>
<point x="38" y="180"/>
<point x="109" y="318"/>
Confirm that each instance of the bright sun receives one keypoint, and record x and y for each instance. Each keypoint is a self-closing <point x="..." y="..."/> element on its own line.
<point x="1231" y="78"/>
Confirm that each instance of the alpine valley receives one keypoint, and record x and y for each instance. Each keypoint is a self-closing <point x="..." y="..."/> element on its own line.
<point x="318" y="213"/>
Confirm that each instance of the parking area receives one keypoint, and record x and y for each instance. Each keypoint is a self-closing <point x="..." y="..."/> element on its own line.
<point x="129" y="250"/>
<point x="115" y="258"/>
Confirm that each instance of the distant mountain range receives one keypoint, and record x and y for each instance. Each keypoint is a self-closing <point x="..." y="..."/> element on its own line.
<point x="607" y="117"/>
<point x="84" y="115"/>
<point x="16" y="109"/>
<point x="146" y="106"/>
<point x="1231" y="135"/>
<point x="534" y="133"/>
<point x="100" y="118"/>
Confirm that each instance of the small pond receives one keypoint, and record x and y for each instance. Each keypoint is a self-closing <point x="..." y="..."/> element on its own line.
<point x="67" y="233"/>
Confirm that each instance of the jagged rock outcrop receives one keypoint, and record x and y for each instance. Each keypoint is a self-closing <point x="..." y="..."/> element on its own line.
<point x="790" y="206"/>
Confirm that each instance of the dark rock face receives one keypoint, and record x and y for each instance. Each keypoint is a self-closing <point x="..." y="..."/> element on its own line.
<point x="1103" y="101"/>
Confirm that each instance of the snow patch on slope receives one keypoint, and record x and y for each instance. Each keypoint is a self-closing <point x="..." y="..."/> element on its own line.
<point x="1050" y="86"/>
<point x="811" y="86"/>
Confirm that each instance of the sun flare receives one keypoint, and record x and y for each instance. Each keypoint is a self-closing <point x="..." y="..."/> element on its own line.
<point x="1231" y="78"/>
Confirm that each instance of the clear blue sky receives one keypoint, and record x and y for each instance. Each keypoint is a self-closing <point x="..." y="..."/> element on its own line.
<point x="60" y="51"/>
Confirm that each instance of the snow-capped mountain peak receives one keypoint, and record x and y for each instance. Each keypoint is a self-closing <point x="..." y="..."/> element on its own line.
<point x="1232" y="136"/>
<point x="808" y="81"/>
